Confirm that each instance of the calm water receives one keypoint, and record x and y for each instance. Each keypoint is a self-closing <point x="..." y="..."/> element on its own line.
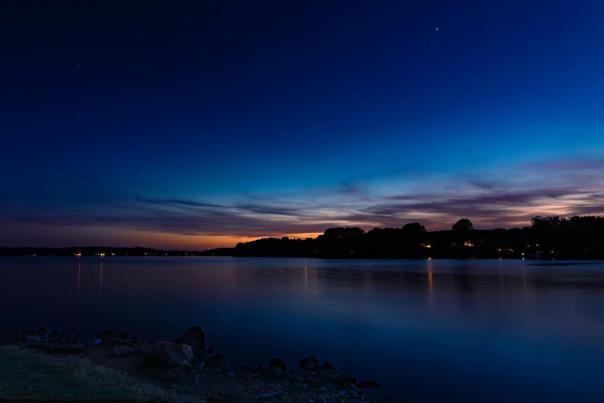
<point x="431" y="331"/>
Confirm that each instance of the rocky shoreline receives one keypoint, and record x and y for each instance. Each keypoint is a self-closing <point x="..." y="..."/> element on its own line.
<point x="187" y="366"/>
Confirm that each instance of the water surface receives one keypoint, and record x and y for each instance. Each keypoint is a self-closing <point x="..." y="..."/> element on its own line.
<point x="429" y="330"/>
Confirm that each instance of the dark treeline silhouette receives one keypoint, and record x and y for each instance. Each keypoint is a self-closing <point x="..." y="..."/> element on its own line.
<point x="546" y="238"/>
<point x="92" y="251"/>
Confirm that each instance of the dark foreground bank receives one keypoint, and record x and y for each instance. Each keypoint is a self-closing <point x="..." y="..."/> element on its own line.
<point x="42" y="365"/>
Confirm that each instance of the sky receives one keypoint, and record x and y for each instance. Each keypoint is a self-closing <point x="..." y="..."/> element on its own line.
<point x="203" y="124"/>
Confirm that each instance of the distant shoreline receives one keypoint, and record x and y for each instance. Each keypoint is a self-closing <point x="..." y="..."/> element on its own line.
<point x="48" y="252"/>
<point x="99" y="251"/>
<point x="548" y="238"/>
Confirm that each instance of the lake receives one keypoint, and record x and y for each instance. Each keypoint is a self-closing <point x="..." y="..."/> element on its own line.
<point x="427" y="330"/>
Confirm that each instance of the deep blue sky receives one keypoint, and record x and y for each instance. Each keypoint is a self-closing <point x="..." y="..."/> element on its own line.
<point x="197" y="124"/>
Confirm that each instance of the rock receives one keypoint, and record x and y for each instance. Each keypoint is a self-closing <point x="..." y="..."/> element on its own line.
<point x="113" y="334"/>
<point x="32" y="339"/>
<point x="276" y="372"/>
<point x="216" y="362"/>
<point x="312" y="380"/>
<point x="329" y="373"/>
<point x="260" y="371"/>
<point x="64" y="347"/>
<point x="277" y="363"/>
<point x="41" y="331"/>
<point x="121" y="351"/>
<point x="171" y="375"/>
<point x="58" y="335"/>
<point x="195" y="338"/>
<point x="169" y="354"/>
<point x="367" y="384"/>
<point x="115" y="341"/>
<point x="309" y="363"/>
<point x="276" y="367"/>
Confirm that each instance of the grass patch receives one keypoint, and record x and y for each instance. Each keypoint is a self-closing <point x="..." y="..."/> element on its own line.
<point x="32" y="375"/>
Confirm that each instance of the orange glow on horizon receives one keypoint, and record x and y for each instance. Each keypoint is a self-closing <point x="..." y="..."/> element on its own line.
<point x="162" y="240"/>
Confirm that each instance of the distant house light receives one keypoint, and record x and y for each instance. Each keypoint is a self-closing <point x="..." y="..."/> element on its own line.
<point x="426" y="245"/>
<point x="78" y="254"/>
<point x="468" y="244"/>
<point x="102" y="254"/>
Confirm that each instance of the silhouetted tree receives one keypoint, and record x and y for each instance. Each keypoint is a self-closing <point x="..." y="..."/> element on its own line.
<point x="548" y="223"/>
<point x="463" y="225"/>
<point x="414" y="227"/>
<point x="342" y="233"/>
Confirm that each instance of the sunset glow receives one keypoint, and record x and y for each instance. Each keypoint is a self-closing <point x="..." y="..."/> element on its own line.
<point x="299" y="131"/>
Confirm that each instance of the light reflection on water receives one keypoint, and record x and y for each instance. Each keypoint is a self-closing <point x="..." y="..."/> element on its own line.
<point x="431" y="330"/>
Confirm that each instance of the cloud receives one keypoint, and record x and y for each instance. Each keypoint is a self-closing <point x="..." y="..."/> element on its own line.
<point x="176" y="202"/>
<point x="593" y="164"/>
<point x="502" y="198"/>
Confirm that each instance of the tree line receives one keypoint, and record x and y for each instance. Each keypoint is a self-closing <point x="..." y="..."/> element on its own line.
<point x="546" y="238"/>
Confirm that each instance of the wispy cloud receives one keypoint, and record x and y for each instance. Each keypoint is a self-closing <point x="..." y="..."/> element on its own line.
<point x="503" y="198"/>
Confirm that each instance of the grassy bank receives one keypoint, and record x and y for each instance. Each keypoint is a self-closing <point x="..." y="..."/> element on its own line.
<point x="27" y="374"/>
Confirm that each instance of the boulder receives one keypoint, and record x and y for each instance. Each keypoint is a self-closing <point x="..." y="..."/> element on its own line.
<point x="329" y="373"/>
<point x="121" y="351"/>
<point x="216" y="362"/>
<point x="277" y="367"/>
<point x="309" y="363"/>
<point x="113" y="334"/>
<point x="195" y="338"/>
<point x="169" y="354"/>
